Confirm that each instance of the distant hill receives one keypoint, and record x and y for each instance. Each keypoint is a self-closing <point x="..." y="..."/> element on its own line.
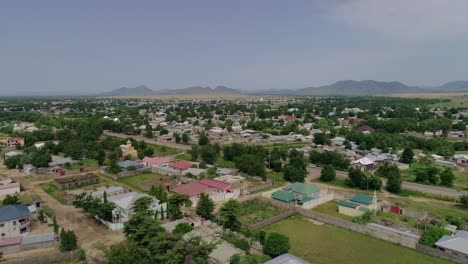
<point x="455" y="86"/>
<point x="367" y="87"/>
<point x="201" y="90"/>
<point x="125" y="91"/>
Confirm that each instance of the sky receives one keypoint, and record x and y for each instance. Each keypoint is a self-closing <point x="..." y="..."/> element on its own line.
<point x="91" y="46"/>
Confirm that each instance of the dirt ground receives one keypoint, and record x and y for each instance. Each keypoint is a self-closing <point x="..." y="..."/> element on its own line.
<point x="92" y="237"/>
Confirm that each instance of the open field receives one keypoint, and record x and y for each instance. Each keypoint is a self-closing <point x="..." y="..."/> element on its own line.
<point x="184" y="156"/>
<point x="221" y="163"/>
<point x="456" y="99"/>
<point x="331" y="208"/>
<point x="163" y="150"/>
<point x="461" y="177"/>
<point x="324" y="244"/>
<point x="134" y="181"/>
<point x="438" y="208"/>
<point x="254" y="211"/>
<point x="54" y="191"/>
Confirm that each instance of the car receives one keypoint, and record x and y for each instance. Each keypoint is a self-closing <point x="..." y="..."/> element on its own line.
<point x="312" y="166"/>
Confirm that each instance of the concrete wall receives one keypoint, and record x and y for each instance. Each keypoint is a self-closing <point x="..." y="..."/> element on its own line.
<point x="43" y="259"/>
<point x="323" y="199"/>
<point x="269" y="221"/>
<point x="441" y="254"/>
<point x="397" y="238"/>
<point x="17" y="248"/>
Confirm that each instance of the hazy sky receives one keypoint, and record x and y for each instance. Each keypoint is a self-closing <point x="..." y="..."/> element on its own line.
<point x="99" y="45"/>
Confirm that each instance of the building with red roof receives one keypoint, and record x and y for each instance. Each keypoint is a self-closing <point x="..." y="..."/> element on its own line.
<point x="290" y="118"/>
<point x="365" y="128"/>
<point x="217" y="190"/>
<point x="13" y="142"/>
<point x="156" y="161"/>
<point x="181" y="165"/>
<point x="358" y="120"/>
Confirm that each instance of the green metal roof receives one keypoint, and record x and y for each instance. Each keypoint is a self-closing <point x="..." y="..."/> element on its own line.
<point x="362" y="198"/>
<point x="363" y="209"/>
<point x="306" y="199"/>
<point x="283" y="196"/>
<point x="302" y="188"/>
<point x="348" y="204"/>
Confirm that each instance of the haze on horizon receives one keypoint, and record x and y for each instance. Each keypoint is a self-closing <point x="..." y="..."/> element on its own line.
<point x="95" y="46"/>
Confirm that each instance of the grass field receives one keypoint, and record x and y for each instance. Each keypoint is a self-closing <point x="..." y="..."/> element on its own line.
<point x="53" y="191"/>
<point x="254" y="211"/>
<point x="323" y="244"/>
<point x="461" y="177"/>
<point x="331" y="208"/>
<point x="163" y="150"/>
<point x="221" y="163"/>
<point x="184" y="156"/>
<point x="456" y="99"/>
<point x="133" y="182"/>
<point x="439" y="209"/>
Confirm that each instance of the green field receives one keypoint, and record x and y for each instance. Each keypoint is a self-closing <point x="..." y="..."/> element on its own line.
<point x="163" y="150"/>
<point x="254" y="211"/>
<point x="439" y="209"/>
<point x="134" y="181"/>
<point x="324" y="244"/>
<point x="461" y="177"/>
<point x="184" y="156"/>
<point x="53" y="191"/>
<point x="331" y="208"/>
<point x="221" y="163"/>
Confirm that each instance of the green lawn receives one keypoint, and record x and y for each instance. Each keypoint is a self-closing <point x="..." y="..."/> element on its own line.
<point x="163" y="150"/>
<point x="461" y="177"/>
<point x="254" y="211"/>
<point x="53" y="191"/>
<point x="461" y="180"/>
<point x="278" y="181"/>
<point x="133" y="182"/>
<point x="439" y="209"/>
<point x="221" y="163"/>
<point x="324" y="244"/>
<point x="184" y="156"/>
<point x="331" y="208"/>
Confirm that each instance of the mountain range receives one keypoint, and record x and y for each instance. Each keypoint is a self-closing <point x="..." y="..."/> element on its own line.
<point x="346" y="87"/>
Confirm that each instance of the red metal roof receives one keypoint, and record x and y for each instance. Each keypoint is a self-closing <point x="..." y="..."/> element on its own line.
<point x="191" y="188"/>
<point x="157" y="160"/>
<point x="181" y="165"/>
<point x="290" y="117"/>
<point x="10" y="241"/>
<point x="365" y="128"/>
<point x="9" y="185"/>
<point x="15" y="139"/>
<point x="216" y="184"/>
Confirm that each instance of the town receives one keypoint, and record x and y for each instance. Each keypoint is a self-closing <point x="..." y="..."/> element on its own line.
<point x="239" y="179"/>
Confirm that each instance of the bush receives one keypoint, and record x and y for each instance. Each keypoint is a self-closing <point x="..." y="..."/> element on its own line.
<point x="464" y="200"/>
<point x="431" y="235"/>
<point x="236" y="241"/>
<point x="182" y="228"/>
<point x="276" y="244"/>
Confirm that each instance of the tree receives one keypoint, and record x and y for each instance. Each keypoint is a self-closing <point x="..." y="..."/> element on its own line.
<point x="11" y="199"/>
<point x="407" y="156"/>
<point x="447" y="177"/>
<point x="182" y="228"/>
<point x="321" y="139"/>
<point x="68" y="240"/>
<point x="101" y="157"/>
<point x="13" y="162"/>
<point x="174" y="203"/>
<point x="203" y="140"/>
<point x="205" y="207"/>
<point x="228" y="213"/>
<point x="127" y="253"/>
<point x="294" y="174"/>
<point x="159" y="192"/>
<point x="431" y="235"/>
<point x="251" y="165"/>
<point x="177" y="137"/>
<point x="195" y="152"/>
<point x="55" y="226"/>
<point x="394" y="182"/>
<point x="41" y="216"/>
<point x="185" y="138"/>
<point x="276" y="244"/>
<point x="328" y="173"/>
<point x="464" y="200"/>
<point x="143" y="205"/>
<point x="209" y="153"/>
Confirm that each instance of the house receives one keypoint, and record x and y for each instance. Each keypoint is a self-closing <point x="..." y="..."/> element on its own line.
<point x="290" y="118"/>
<point x="358" y="204"/>
<point x="218" y="191"/>
<point x="181" y="165"/>
<point x="461" y="159"/>
<point x="364" y="164"/>
<point x="126" y="164"/>
<point x="156" y="161"/>
<point x="284" y="196"/>
<point x="128" y="150"/>
<point x="60" y="161"/>
<point x="14" y="142"/>
<point x="193" y="171"/>
<point x="124" y="204"/>
<point x="9" y="188"/>
<point x="287" y="259"/>
<point x="299" y="192"/>
<point x="365" y="128"/>
<point x="111" y="191"/>
<point x="14" y="221"/>
<point x="72" y="181"/>
<point x="456" y="244"/>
